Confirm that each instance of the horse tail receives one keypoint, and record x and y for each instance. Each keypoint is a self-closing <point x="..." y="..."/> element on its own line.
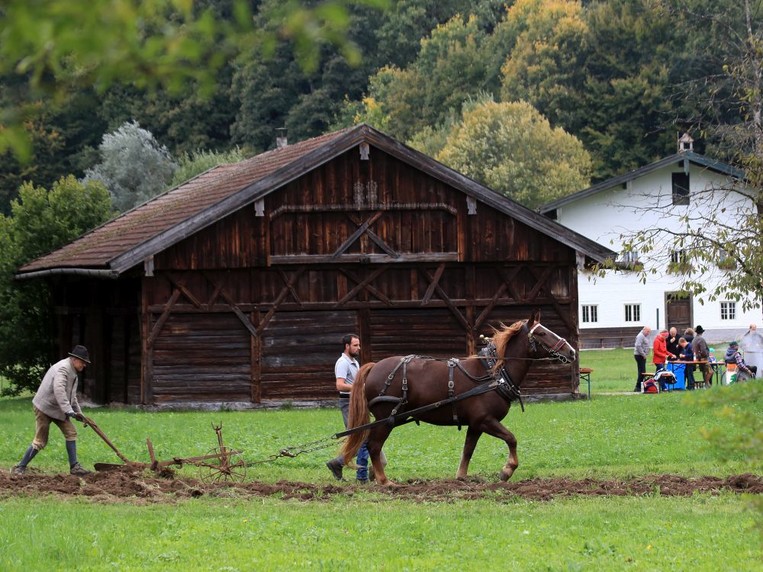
<point x="358" y="415"/>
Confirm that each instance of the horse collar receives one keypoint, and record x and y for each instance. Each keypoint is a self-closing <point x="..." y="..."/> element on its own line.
<point x="505" y="386"/>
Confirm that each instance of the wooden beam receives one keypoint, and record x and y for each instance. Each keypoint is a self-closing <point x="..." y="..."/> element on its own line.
<point x="433" y="285"/>
<point x="489" y="308"/>
<point x="451" y="306"/>
<point x="429" y="257"/>
<point x="187" y="293"/>
<point x="163" y="318"/>
<point x="255" y="362"/>
<point x="219" y="291"/>
<point x="356" y="235"/>
<point x="281" y="296"/>
<point x="376" y="238"/>
<point x="363" y="285"/>
<point x="147" y="353"/>
<point x="539" y="284"/>
<point x="290" y="286"/>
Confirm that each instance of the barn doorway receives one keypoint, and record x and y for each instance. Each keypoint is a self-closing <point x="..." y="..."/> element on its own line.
<point x="678" y="310"/>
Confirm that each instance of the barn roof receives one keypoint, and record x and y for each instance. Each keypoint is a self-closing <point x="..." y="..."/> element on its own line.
<point x="683" y="158"/>
<point x="122" y="243"/>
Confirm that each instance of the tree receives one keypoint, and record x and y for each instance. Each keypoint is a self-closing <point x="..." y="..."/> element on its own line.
<point x="448" y="71"/>
<point x="513" y="149"/>
<point x="197" y="162"/>
<point x="543" y="43"/>
<point x="41" y="221"/>
<point x="60" y="135"/>
<point x="134" y="167"/>
<point x="151" y="43"/>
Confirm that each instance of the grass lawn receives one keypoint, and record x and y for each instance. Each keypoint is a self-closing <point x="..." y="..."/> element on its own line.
<point x="611" y="436"/>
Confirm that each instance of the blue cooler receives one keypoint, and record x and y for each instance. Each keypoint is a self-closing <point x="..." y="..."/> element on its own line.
<point x="679" y="370"/>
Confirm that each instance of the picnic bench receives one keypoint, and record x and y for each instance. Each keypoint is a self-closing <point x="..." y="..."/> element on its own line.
<point x="585" y="375"/>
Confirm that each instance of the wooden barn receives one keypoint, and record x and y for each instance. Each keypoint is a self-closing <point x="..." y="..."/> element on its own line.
<point x="238" y="285"/>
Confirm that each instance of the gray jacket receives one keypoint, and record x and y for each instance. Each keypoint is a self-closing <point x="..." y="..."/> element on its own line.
<point x="642" y="346"/>
<point x="58" y="391"/>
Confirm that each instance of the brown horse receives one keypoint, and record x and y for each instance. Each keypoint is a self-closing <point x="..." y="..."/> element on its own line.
<point x="397" y="385"/>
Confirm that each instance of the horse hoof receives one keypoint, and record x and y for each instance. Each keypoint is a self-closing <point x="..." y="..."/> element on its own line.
<point x="505" y="476"/>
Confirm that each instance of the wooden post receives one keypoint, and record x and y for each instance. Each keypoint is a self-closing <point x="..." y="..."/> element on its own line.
<point x="255" y="347"/>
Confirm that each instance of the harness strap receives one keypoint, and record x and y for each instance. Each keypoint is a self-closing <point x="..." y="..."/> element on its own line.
<point x="408" y="416"/>
<point x="452" y="364"/>
<point x="384" y="399"/>
<point x="404" y="399"/>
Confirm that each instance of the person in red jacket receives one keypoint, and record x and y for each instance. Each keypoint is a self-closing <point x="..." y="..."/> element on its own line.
<point x="660" y="351"/>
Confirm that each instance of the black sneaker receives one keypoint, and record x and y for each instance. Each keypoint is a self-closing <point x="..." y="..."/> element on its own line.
<point x="336" y="469"/>
<point x="78" y="470"/>
<point x="18" y="470"/>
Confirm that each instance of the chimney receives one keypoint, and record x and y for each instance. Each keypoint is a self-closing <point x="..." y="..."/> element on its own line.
<point x="685" y="143"/>
<point x="281" y="141"/>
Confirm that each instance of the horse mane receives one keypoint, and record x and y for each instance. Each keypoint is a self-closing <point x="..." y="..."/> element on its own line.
<point x="501" y="341"/>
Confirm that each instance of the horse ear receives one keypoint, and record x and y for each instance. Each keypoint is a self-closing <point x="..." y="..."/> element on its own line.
<point x="535" y="317"/>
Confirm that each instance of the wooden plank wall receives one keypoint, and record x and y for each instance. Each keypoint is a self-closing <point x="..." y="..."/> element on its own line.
<point x="299" y="350"/>
<point x="202" y="357"/>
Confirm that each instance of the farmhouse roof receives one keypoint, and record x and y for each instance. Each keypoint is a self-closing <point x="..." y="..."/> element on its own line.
<point x="684" y="158"/>
<point x="120" y="244"/>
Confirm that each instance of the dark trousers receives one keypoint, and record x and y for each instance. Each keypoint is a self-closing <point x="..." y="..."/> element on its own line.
<point x="641" y="366"/>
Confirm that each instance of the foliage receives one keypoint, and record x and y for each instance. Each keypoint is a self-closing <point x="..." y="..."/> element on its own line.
<point x="59" y="135"/>
<point x="197" y="162"/>
<point x="152" y="43"/>
<point x="41" y="221"/>
<point x="543" y="44"/>
<point x="511" y="148"/>
<point x="447" y="71"/>
<point x="737" y="404"/>
<point x="133" y="167"/>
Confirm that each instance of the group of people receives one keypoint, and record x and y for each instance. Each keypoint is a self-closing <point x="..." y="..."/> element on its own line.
<point x="669" y="346"/>
<point x="690" y="347"/>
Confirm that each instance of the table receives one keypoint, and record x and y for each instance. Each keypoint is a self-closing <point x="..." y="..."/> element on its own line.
<point x="719" y="368"/>
<point x="585" y="374"/>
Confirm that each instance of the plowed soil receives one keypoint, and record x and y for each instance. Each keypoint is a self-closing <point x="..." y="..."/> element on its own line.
<point x="145" y="487"/>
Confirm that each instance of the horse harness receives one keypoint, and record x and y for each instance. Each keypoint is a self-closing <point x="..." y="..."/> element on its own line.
<point x="500" y="382"/>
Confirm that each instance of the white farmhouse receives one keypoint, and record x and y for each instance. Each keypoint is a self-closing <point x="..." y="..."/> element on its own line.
<point x="613" y="308"/>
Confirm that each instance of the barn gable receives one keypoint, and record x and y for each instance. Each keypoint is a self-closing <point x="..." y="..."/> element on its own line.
<point x="238" y="285"/>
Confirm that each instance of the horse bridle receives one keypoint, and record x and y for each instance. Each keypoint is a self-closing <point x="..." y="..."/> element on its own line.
<point x="552" y="350"/>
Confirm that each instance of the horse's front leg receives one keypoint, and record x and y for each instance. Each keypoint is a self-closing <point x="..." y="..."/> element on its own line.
<point x="493" y="427"/>
<point x="472" y="436"/>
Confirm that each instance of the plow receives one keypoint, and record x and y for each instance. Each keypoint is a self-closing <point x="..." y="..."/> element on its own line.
<point x="221" y="463"/>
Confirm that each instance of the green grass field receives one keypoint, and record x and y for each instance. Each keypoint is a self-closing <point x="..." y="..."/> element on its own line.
<point x="611" y="436"/>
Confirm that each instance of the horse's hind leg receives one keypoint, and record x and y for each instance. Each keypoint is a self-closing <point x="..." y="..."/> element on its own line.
<point x="472" y="436"/>
<point x="494" y="428"/>
<point x="375" y="443"/>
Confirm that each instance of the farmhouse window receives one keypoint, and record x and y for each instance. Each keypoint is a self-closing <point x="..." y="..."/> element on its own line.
<point x="633" y="312"/>
<point x="590" y="313"/>
<point x="728" y="310"/>
<point x="679" y="262"/>
<point x="680" y="188"/>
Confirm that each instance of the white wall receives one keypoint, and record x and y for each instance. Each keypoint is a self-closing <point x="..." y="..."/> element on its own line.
<point x="647" y="203"/>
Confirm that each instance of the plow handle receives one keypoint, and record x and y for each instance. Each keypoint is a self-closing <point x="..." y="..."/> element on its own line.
<point x="106" y="440"/>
